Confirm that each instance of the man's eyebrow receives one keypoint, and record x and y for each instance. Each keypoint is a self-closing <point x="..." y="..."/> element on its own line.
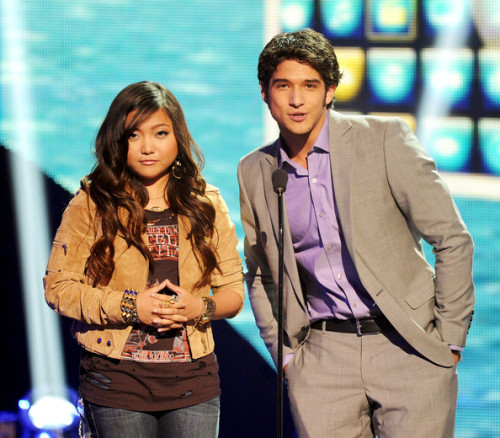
<point x="309" y="81"/>
<point x="279" y="80"/>
<point x="313" y="81"/>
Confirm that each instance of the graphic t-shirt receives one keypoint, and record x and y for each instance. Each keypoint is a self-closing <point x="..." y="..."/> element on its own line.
<point x="145" y="344"/>
<point x="156" y="371"/>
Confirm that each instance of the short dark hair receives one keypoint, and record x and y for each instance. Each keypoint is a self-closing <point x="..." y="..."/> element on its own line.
<point x="306" y="46"/>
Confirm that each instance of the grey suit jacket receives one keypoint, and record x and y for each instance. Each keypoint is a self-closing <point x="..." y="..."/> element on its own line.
<point x="389" y="196"/>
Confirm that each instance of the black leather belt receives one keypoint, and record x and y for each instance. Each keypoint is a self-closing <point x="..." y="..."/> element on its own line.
<point x="363" y="326"/>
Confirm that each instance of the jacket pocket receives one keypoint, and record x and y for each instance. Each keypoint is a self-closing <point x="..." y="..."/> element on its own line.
<point x="421" y="294"/>
<point x="57" y="244"/>
<point x="58" y="255"/>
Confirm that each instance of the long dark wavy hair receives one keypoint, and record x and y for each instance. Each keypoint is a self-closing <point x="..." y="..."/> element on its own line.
<point x="120" y="196"/>
<point x="306" y="46"/>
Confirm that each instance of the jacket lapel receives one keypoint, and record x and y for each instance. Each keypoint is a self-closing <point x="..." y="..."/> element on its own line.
<point x="342" y="150"/>
<point x="184" y="247"/>
<point x="268" y="165"/>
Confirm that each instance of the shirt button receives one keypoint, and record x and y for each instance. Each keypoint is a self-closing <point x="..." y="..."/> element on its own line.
<point x="329" y="247"/>
<point x="321" y="215"/>
<point x="355" y="304"/>
<point x="314" y="180"/>
<point x="339" y="276"/>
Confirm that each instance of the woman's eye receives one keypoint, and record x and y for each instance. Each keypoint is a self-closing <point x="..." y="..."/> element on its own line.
<point x="162" y="133"/>
<point x="132" y="135"/>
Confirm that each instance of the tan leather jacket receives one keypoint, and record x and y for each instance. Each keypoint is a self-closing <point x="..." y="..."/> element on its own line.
<point x="98" y="325"/>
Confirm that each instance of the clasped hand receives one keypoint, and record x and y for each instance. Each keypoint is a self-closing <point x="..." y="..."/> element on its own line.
<point x="163" y="312"/>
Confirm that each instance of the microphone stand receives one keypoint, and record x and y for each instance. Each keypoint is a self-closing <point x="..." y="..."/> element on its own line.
<point x="280" y="179"/>
<point x="280" y="313"/>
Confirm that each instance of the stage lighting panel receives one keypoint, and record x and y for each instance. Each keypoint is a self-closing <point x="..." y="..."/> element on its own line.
<point x="489" y="73"/>
<point x="448" y="140"/>
<point x="489" y="144"/>
<point x="391" y="74"/>
<point x="442" y="15"/>
<point x="342" y="18"/>
<point x="352" y="65"/>
<point x="391" y="20"/>
<point x="296" y="14"/>
<point x="448" y="75"/>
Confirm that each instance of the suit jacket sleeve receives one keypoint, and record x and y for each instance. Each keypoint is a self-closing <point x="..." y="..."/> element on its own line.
<point x="426" y="202"/>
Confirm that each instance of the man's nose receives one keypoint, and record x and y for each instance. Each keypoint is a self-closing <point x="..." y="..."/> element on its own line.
<point x="296" y="98"/>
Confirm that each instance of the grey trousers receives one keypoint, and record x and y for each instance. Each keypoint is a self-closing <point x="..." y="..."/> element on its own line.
<point x="344" y="386"/>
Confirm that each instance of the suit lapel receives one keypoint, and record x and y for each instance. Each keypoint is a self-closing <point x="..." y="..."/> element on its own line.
<point x="342" y="150"/>
<point x="268" y="165"/>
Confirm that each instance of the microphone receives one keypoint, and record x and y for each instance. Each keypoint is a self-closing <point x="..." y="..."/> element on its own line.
<point x="280" y="179"/>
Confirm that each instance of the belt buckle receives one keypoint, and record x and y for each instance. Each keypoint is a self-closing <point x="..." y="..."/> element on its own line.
<point x="360" y="332"/>
<point x="358" y="327"/>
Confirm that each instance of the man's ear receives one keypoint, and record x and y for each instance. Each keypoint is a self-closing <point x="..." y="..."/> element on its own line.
<point x="263" y="94"/>
<point x="330" y="94"/>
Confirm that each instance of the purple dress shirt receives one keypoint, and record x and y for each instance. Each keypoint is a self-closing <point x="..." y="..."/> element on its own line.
<point x="333" y="287"/>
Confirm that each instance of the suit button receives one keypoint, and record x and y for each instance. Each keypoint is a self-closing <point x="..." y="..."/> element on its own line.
<point x="108" y="343"/>
<point x="99" y="340"/>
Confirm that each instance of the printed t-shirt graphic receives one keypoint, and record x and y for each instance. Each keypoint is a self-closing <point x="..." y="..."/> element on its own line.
<point x="145" y="344"/>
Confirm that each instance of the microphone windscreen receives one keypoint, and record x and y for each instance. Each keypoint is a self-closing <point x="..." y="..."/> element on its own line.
<point x="280" y="179"/>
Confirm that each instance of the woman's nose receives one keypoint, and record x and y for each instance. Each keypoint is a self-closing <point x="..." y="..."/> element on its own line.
<point x="147" y="146"/>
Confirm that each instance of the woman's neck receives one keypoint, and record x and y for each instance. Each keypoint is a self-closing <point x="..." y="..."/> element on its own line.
<point x="157" y="199"/>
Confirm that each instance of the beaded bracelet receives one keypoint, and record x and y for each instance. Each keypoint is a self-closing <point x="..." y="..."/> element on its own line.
<point x="128" y="307"/>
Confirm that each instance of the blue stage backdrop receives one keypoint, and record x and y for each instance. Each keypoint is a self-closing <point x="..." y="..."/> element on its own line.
<point x="434" y="63"/>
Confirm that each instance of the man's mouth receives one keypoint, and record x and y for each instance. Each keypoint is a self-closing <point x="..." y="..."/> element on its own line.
<point x="298" y="117"/>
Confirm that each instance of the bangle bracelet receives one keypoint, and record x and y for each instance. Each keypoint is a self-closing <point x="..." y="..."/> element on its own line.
<point x="128" y="307"/>
<point x="210" y="309"/>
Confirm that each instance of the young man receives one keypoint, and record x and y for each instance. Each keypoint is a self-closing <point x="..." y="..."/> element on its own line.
<point x="372" y="333"/>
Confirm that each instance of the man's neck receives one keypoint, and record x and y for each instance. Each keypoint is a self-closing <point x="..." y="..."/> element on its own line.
<point x="297" y="151"/>
<point x="297" y="147"/>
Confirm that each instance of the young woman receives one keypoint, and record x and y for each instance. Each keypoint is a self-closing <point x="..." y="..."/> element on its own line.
<point x="138" y="251"/>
